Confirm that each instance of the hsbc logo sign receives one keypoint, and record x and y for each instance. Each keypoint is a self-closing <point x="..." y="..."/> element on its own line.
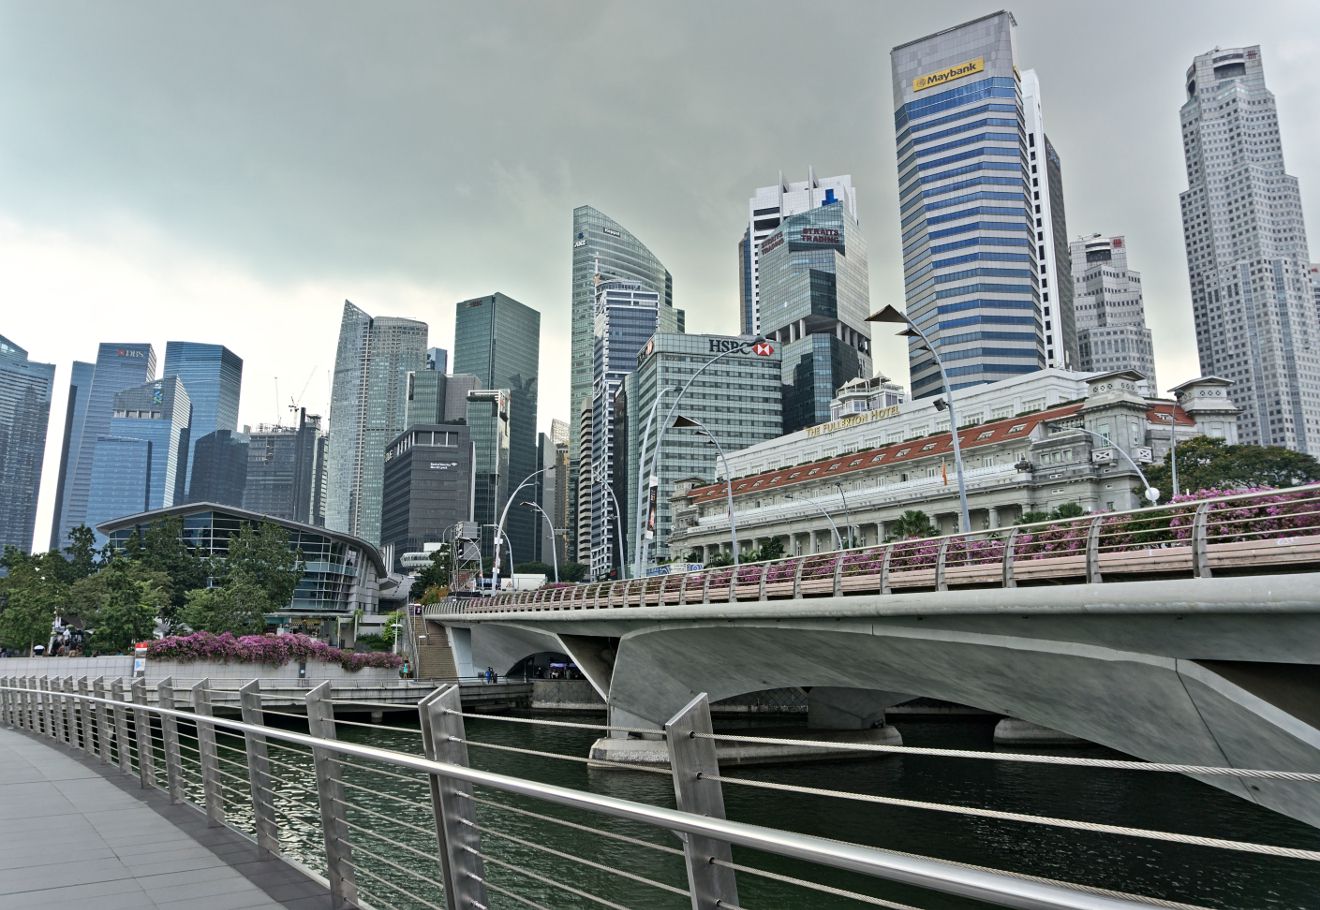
<point x="732" y="345"/>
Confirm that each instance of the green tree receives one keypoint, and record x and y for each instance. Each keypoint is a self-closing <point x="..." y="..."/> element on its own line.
<point x="435" y="576"/>
<point x="771" y="549"/>
<point x="30" y="594"/>
<point x="261" y="556"/>
<point x="912" y="523"/>
<point x="239" y="607"/>
<point x="120" y="604"/>
<point x="163" y="549"/>
<point x="572" y="571"/>
<point x="1206" y="463"/>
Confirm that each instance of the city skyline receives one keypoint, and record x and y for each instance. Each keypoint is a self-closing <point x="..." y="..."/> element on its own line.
<point x="208" y="274"/>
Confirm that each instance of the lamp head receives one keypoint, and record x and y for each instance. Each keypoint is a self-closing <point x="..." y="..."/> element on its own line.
<point x="683" y="423"/>
<point x="889" y="314"/>
<point x="940" y="404"/>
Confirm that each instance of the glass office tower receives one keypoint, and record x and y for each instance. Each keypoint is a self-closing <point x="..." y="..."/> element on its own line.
<point x="498" y="340"/>
<point x="970" y="235"/>
<point x="213" y="376"/>
<point x="25" y="390"/>
<point x="118" y="367"/>
<point x="80" y="388"/>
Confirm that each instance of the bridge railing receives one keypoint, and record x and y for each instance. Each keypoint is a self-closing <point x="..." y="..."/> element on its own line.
<point x="1253" y="530"/>
<point x="432" y="838"/>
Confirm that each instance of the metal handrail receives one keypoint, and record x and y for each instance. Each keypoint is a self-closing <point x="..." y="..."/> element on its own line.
<point x="38" y="705"/>
<point x="1097" y="536"/>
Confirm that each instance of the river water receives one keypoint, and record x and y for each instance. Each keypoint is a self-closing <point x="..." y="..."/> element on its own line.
<point x="1196" y="875"/>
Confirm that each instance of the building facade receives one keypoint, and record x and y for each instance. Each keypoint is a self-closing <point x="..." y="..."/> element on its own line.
<point x="603" y="247"/>
<point x="286" y="471"/>
<point x="489" y="416"/>
<point x="814" y="299"/>
<point x="219" y="468"/>
<point x="1247" y="257"/>
<point x="25" y="393"/>
<point x="737" y="399"/>
<point x="341" y="573"/>
<point x="117" y="367"/>
<point x="766" y="211"/>
<point x="75" y="412"/>
<point x="428" y="487"/>
<point x="1026" y="462"/>
<point x="498" y="340"/>
<point x="1054" y="263"/>
<point x="368" y="408"/>
<point x="213" y="377"/>
<point x="559" y="496"/>
<point x="969" y="230"/>
<point x="138" y="464"/>
<point x="1111" y="318"/>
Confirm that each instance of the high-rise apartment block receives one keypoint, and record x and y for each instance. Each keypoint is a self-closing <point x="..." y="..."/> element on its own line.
<point x="498" y="340"/>
<point x="814" y="300"/>
<point x="1111" y="319"/>
<point x="766" y="211"/>
<point x="1247" y="256"/>
<point x="118" y="367"/>
<point x="212" y="375"/>
<point x="1053" y="265"/>
<point x="25" y="392"/>
<point x="603" y="247"/>
<point x="286" y="471"/>
<point x="368" y="409"/>
<point x="969" y="228"/>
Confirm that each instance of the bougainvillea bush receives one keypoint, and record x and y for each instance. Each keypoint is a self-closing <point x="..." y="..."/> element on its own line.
<point x="261" y="649"/>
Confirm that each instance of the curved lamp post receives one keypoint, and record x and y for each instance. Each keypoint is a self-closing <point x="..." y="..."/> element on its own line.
<point x="847" y="512"/>
<point x="1152" y="494"/>
<point x="838" y="539"/>
<point x="642" y="505"/>
<point x="892" y="314"/>
<point x="554" y="547"/>
<point x="670" y="421"/>
<point x="618" y="526"/>
<point x="499" y="530"/>
<point x="680" y="423"/>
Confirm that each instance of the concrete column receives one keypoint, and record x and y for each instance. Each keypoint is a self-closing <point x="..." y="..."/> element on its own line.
<point x="993" y="513"/>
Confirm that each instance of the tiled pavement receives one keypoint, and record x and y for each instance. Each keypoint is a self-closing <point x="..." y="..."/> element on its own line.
<point x="71" y="836"/>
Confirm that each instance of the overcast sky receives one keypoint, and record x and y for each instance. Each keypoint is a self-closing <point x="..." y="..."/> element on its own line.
<point x="231" y="172"/>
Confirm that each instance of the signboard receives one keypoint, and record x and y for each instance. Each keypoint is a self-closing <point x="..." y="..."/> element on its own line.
<point x="771" y="242"/>
<point x="728" y="345"/>
<point x="852" y="421"/>
<point x="820" y="235"/>
<point x="652" y="498"/>
<point x="612" y="232"/>
<point x="945" y="76"/>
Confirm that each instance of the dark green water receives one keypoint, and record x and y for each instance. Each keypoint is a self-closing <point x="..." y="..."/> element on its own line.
<point x="1213" y="878"/>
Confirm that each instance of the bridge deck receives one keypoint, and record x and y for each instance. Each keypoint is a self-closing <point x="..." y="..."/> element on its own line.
<point x="70" y="836"/>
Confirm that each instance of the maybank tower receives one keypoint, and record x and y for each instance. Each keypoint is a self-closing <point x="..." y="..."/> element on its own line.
<point x="970" y="235"/>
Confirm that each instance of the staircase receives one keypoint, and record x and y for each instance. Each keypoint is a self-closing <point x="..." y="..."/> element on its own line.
<point x="434" y="659"/>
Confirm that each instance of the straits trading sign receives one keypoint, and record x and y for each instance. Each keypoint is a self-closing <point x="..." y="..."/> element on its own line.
<point x="952" y="74"/>
<point x="851" y="421"/>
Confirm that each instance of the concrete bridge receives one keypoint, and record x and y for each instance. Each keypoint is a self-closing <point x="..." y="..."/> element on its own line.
<point x="1188" y="634"/>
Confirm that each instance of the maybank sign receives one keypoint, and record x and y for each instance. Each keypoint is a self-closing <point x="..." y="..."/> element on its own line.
<point x="952" y="74"/>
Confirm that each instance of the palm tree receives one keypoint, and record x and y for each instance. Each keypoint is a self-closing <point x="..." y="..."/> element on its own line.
<point x="912" y="523"/>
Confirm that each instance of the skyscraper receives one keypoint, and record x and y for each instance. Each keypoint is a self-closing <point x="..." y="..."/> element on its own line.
<point x="970" y="233"/>
<point x="1054" y="266"/>
<point x="815" y="298"/>
<point x="137" y="462"/>
<point x="1111" y="319"/>
<point x="766" y="211"/>
<point x="498" y="340"/>
<point x="286" y="471"/>
<point x="25" y="390"/>
<point x="80" y="389"/>
<point x="118" y="367"/>
<point x="219" y="468"/>
<point x="213" y="377"/>
<point x="1246" y="252"/>
<point x="625" y="318"/>
<point x="368" y="409"/>
<point x="602" y="246"/>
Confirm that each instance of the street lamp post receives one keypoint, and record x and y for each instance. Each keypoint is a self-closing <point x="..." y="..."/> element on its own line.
<point x="892" y="314"/>
<point x="499" y="530"/>
<point x="1152" y="494"/>
<point x="642" y="505"/>
<point x="838" y="538"/>
<point x="847" y="512"/>
<point x="554" y="555"/>
<point x="682" y="422"/>
<point x="1173" y="443"/>
<point x="669" y="421"/>
<point x="618" y="526"/>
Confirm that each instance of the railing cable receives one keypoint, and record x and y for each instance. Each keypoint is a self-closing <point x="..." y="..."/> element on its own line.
<point x="527" y="813"/>
<point x="544" y="879"/>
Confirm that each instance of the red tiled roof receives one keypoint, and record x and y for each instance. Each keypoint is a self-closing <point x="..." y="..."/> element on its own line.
<point x="986" y="434"/>
<point x="1156" y="414"/>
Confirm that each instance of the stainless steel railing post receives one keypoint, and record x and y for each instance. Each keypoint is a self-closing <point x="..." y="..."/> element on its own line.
<point x="121" y="726"/>
<point x="70" y="708"/>
<point x="4" y="701"/>
<point x="258" y="768"/>
<point x="102" y="720"/>
<point x="1200" y="550"/>
<point x="1093" y="574"/>
<point x="85" y="717"/>
<point x="692" y="759"/>
<point x="142" y="731"/>
<point x="31" y="702"/>
<point x="330" y="797"/>
<point x="208" y="755"/>
<point x="460" y="844"/>
<point x="169" y="738"/>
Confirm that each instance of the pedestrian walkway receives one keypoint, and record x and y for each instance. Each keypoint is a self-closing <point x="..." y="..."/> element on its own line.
<point x="71" y="836"/>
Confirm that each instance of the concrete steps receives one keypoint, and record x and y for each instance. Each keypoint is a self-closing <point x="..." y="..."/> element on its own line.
<point x="435" y="659"/>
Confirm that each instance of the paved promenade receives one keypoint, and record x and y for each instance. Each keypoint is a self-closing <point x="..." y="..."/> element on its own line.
<point x="71" y="836"/>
